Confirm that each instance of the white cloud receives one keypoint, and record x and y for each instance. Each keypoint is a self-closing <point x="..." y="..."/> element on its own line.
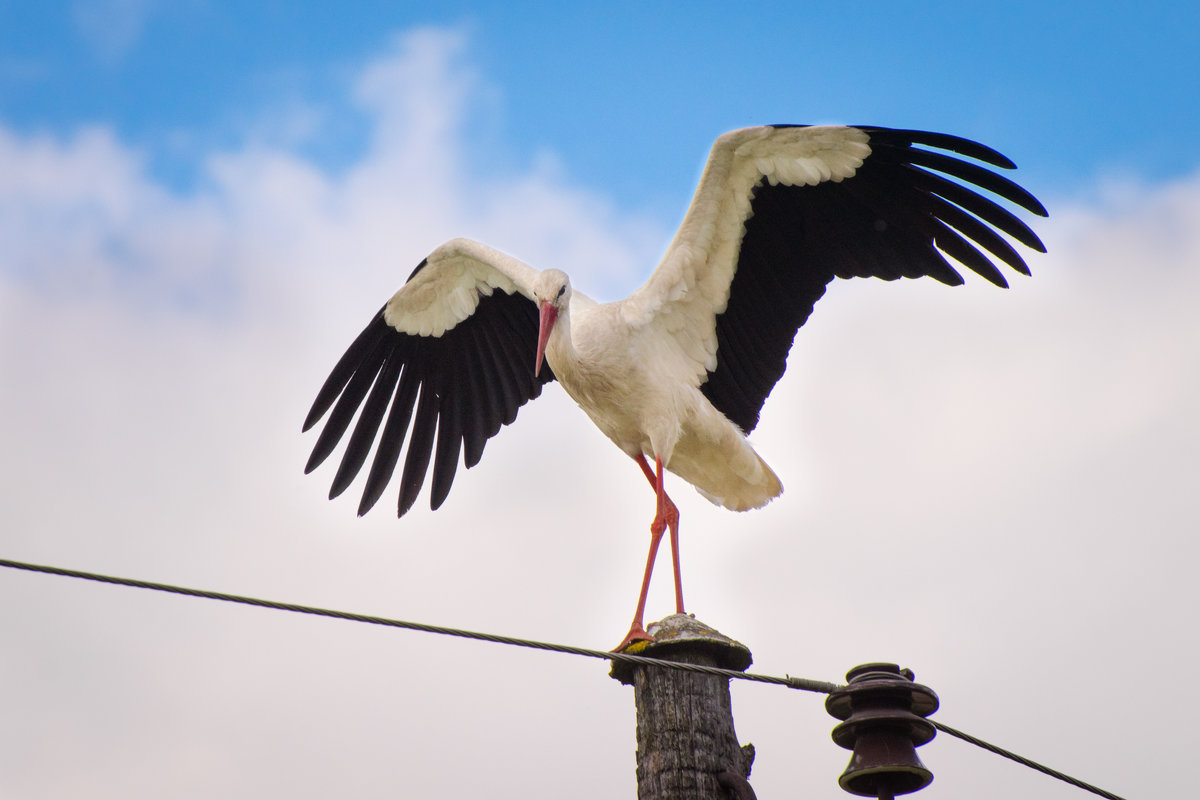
<point x="994" y="487"/>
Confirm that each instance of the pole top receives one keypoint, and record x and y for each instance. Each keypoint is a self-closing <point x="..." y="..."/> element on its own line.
<point x="682" y="637"/>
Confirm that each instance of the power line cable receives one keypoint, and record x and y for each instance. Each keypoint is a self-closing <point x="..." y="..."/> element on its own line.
<point x="1000" y="751"/>
<point x="802" y="684"/>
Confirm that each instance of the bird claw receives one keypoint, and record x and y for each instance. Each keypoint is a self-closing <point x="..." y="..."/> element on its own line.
<point x="636" y="634"/>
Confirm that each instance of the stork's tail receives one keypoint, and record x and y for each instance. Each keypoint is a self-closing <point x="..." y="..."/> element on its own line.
<point x="759" y="486"/>
<point x="728" y="473"/>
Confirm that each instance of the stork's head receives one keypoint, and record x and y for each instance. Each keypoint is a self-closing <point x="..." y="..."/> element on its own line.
<point x="552" y="291"/>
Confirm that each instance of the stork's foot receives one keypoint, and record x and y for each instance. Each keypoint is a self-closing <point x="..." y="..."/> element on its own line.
<point x="636" y="634"/>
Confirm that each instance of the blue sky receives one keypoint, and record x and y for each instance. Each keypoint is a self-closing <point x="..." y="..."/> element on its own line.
<point x="202" y="203"/>
<point x="623" y="93"/>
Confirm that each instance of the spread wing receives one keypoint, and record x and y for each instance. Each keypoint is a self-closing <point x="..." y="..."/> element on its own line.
<point x="450" y="357"/>
<point x="781" y="211"/>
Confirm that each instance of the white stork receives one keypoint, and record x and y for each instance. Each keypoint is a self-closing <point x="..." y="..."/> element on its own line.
<point x="678" y="371"/>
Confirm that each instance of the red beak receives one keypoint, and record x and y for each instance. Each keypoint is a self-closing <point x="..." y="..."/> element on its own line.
<point x="548" y="315"/>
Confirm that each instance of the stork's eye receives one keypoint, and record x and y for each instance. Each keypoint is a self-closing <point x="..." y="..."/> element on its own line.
<point x="561" y="290"/>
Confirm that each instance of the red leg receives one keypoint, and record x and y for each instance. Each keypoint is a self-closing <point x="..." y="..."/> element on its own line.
<point x="666" y="516"/>
<point x="636" y="631"/>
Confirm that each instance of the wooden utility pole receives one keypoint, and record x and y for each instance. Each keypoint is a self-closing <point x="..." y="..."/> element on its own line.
<point x="686" y="745"/>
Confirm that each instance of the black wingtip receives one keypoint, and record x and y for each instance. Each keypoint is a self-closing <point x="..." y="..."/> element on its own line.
<point x="406" y="501"/>
<point x="325" y="445"/>
<point x="322" y="404"/>
<point x="906" y="137"/>
<point x="341" y="481"/>
<point x="366" y="504"/>
<point x="1034" y="242"/>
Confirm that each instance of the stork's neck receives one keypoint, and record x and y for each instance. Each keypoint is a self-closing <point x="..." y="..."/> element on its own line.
<point x="560" y="349"/>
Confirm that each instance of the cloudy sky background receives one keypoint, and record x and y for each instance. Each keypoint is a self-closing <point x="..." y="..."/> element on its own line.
<point x="201" y="204"/>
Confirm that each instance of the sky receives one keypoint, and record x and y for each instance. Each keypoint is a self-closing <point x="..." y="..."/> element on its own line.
<point x="201" y="203"/>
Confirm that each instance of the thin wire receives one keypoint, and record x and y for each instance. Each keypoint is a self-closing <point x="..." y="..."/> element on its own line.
<point x="1000" y="751"/>
<point x="802" y="684"/>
